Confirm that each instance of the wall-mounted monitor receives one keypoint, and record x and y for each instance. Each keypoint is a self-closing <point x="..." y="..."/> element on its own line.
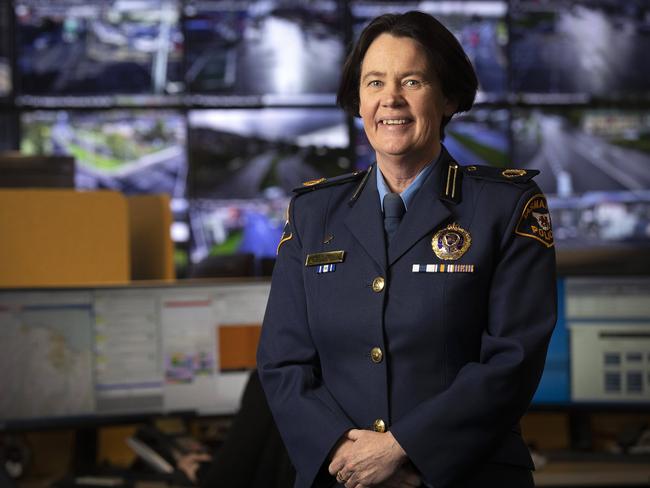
<point x="277" y="52"/>
<point x="594" y="165"/>
<point x="6" y="75"/>
<point x="250" y="153"/>
<point x="569" y="51"/>
<point x="480" y="27"/>
<point x="133" y="151"/>
<point x="244" y="164"/>
<point x="480" y="136"/>
<point x="99" y="49"/>
<point x="228" y="227"/>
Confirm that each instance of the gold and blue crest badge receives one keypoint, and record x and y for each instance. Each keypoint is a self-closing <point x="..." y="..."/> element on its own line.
<point x="535" y="221"/>
<point x="451" y="242"/>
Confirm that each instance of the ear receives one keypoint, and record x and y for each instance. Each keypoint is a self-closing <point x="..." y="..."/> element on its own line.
<point x="450" y="106"/>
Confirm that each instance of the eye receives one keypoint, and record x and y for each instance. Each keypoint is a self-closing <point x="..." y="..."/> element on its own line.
<point x="412" y="83"/>
<point x="375" y="83"/>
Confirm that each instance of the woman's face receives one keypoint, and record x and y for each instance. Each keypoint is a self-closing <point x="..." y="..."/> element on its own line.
<point x="401" y="102"/>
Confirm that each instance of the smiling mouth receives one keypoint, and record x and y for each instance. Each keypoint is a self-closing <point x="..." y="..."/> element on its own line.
<point x="394" y="121"/>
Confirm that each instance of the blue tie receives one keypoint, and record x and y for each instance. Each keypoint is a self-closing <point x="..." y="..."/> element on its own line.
<point x="393" y="212"/>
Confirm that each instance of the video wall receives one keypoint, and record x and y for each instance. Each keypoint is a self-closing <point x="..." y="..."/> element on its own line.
<point x="227" y="105"/>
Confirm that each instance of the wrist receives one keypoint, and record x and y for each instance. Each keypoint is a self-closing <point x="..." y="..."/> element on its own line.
<point x="397" y="450"/>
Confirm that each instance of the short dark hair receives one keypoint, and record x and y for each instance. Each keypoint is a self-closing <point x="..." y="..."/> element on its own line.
<point x="445" y="55"/>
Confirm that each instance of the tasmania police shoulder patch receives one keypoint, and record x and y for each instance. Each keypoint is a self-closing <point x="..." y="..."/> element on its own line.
<point x="535" y="221"/>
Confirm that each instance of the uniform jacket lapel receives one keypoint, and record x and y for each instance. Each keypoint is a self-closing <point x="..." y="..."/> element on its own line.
<point x="365" y="221"/>
<point x="426" y="213"/>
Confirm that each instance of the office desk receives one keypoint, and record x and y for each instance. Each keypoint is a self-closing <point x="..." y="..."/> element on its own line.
<point x="587" y="474"/>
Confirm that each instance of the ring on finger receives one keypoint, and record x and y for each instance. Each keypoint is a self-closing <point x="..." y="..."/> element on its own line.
<point x="339" y="477"/>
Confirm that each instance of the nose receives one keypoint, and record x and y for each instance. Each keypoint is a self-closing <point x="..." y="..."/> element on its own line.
<point x="392" y="96"/>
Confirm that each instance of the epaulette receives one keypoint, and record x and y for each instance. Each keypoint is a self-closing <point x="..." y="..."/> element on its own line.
<point x="492" y="173"/>
<point x="317" y="184"/>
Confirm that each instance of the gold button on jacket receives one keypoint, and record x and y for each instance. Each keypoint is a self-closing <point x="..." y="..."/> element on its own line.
<point x="378" y="284"/>
<point x="376" y="355"/>
<point x="379" y="426"/>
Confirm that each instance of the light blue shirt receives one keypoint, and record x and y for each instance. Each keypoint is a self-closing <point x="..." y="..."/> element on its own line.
<point x="409" y="194"/>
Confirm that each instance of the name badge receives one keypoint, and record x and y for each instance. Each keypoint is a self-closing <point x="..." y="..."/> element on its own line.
<point x="330" y="257"/>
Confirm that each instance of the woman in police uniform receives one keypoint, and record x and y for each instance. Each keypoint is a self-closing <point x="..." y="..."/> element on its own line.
<point x="412" y="303"/>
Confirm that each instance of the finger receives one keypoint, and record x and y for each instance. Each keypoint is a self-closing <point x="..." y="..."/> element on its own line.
<point x="353" y="434"/>
<point x="335" y="466"/>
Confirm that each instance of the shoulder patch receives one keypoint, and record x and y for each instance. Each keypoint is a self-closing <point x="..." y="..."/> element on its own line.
<point x="535" y="221"/>
<point x="319" y="183"/>
<point x="510" y="175"/>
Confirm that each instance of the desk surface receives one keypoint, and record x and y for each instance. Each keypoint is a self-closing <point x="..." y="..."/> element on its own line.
<point x="593" y="474"/>
<point x="578" y="474"/>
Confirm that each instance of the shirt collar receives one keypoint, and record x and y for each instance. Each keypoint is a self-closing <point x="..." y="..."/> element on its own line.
<point x="409" y="194"/>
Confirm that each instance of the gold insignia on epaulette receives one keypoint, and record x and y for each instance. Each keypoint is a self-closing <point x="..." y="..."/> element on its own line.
<point x="535" y="221"/>
<point x="452" y="173"/>
<point x="471" y="168"/>
<point x="314" y="182"/>
<point x="451" y="242"/>
<point x="513" y="173"/>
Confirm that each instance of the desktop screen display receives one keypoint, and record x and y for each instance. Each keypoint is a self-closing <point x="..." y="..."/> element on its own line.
<point x="594" y="169"/>
<point x="285" y="51"/>
<point x="480" y="27"/>
<point x="600" y="350"/>
<point x="81" y="47"/>
<point x="568" y="50"/>
<point x="96" y="354"/>
<point x="133" y="151"/>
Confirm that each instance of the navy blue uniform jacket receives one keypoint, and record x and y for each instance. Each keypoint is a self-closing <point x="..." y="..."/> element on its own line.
<point x="462" y="352"/>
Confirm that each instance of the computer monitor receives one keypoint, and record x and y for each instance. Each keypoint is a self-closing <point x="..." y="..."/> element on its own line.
<point x="6" y="73"/>
<point x="574" y="51"/>
<point x="277" y="52"/>
<point x="84" y="49"/>
<point x="132" y="151"/>
<point x="599" y="354"/>
<point x="98" y="355"/>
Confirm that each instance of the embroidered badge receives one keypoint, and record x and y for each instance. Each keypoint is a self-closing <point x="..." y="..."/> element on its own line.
<point x="535" y="221"/>
<point x="451" y="242"/>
